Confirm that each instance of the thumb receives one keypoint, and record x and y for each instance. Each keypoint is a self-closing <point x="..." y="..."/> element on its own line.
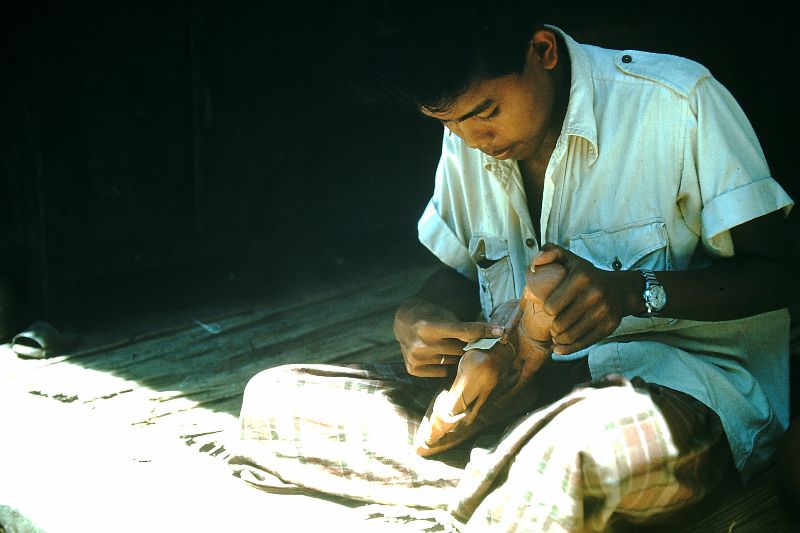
<point x="550" y="253"/>
<point x="471" y="331"/>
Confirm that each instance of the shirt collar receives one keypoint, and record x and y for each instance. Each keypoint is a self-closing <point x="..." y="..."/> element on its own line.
<point x="501" y="169"/>
<point x="579" y="120"/>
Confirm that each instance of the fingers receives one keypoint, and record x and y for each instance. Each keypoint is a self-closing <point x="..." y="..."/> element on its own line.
<point x="463" y="331"/>
<point x="430" y="366"/>
<point x="432" y="343"/>
<point x="568" y="318"/>
<point x="587" y="340"/>
<point x="545" y="257"/>
<point x="471" y="331"/>
<point x="427" y="371"/>
<point x="542" y="283"/>
<point x="432" y="360"/>
<point x="581" y="325"/>
<point x="429" y="351"/>
<point x="577" y="287"/>
<point x="550" y="253"/>
<point x="585" y="301"/>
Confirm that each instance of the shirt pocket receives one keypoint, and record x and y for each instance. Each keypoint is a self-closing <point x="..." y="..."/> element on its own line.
<point x="638" y="245"/>
<point x="495" y="271"/>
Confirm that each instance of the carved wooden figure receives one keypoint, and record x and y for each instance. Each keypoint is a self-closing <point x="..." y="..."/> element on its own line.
<point x="488" y="379"/>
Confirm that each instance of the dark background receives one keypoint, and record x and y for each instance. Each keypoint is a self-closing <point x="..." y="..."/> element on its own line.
<point x="158" y="150"/>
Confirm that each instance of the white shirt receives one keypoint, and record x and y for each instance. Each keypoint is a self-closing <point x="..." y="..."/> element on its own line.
<point x="655" y="163"/>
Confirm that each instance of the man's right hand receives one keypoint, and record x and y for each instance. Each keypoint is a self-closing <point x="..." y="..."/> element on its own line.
<point x="432" y="337"/>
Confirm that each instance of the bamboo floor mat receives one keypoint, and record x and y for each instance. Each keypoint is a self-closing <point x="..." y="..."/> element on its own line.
<point x="131" y="435"/>
<point x="129" y="417"/>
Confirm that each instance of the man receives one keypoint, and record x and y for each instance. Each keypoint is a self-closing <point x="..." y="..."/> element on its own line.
<point x="639" y="174"/>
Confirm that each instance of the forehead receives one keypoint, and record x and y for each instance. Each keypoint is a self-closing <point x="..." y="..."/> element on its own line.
<point x="480" y="94"/>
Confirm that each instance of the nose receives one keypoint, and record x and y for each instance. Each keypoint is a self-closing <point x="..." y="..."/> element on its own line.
<point x="474" y="134"/>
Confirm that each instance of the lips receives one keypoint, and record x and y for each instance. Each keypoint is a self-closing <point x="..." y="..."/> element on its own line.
<point x="500" y="154"/>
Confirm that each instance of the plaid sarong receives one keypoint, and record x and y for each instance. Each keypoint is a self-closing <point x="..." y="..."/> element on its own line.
<point x="609" y="450"/>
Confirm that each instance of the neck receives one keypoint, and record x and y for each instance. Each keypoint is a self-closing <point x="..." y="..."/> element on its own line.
<point x="562" y="74"/>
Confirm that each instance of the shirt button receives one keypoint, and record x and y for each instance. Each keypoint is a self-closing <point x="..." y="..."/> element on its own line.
<point x="616" y="265"/>
<point x="626" y="58"/>
<point x="530" y="243"/>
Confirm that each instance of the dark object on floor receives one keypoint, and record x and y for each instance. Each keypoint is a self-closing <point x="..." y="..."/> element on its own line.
<point x="39" y="341"/>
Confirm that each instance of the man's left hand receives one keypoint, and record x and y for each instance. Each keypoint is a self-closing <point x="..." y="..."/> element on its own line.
<point x="589" y="303"/>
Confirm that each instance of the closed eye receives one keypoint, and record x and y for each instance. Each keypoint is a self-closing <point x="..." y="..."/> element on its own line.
<point x="494" y="112"/>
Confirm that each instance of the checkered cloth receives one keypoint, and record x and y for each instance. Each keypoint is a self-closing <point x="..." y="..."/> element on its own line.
<point x="612" y="449"/>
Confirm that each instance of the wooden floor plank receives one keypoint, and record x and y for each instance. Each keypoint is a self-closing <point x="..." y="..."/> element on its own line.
<point x="328" y="328"/>
<point x="170" y="397"/>
<point x="161" y="407"/>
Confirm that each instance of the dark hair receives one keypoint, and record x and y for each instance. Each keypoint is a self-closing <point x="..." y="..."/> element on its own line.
<point x="429" y="58"/>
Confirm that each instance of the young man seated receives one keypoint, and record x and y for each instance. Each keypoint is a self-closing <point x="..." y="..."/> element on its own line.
<point x="642" y="178"/>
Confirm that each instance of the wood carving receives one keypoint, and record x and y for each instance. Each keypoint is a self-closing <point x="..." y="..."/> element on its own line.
<point x="487" y="381"/>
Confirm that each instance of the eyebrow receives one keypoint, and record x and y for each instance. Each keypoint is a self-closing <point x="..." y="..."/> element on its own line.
<point x="483" y="106"/>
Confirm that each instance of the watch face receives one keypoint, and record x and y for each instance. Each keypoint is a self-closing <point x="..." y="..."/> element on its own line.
<point x="656" y="297"/>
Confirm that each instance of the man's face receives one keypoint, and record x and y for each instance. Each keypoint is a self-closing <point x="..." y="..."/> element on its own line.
<point x="510" y="116"/>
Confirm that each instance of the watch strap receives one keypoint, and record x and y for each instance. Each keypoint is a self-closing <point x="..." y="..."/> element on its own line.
<point x="650" y="281"/>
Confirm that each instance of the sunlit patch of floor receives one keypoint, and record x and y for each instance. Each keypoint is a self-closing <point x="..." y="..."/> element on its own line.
<point x="134" y="435"/>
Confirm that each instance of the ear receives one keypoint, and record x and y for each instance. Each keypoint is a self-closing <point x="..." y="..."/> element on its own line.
<point x="544" y="49"/>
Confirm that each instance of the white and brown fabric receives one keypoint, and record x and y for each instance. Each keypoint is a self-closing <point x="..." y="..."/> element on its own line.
<point x="609" y="450"/>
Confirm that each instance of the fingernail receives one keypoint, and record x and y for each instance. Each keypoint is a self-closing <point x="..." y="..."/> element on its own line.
<point x="497" y="330"/>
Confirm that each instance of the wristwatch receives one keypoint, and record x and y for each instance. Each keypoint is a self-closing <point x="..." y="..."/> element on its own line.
<point x="654" y="295"/>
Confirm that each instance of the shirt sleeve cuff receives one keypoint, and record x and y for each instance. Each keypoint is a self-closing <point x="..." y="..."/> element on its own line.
<point x="436" y="235"/>
<point x="737" y="207"/>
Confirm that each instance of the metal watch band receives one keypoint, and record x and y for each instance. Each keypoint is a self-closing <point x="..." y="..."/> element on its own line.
<point x="650" y="281"/>
<point x="650" y="278"/>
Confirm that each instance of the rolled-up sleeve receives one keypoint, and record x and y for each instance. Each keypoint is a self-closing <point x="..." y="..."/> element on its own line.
<point x="738" y="206"/>
<point x="726" y="158"/>
<point x="438" y="226"/>
<point x="436" y="235"/>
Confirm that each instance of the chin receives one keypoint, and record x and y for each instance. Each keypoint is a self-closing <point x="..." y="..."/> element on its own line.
<point x="524" y="152"/>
